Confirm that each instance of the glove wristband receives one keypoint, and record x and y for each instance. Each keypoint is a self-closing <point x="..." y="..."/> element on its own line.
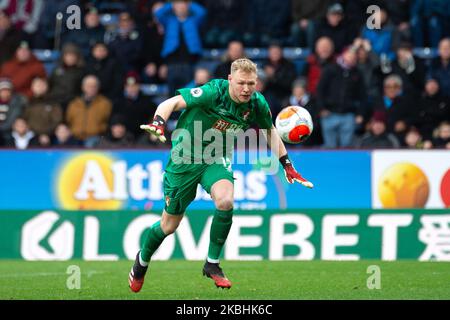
<point x="284" y="160"/>
<point x="159" y="121"/>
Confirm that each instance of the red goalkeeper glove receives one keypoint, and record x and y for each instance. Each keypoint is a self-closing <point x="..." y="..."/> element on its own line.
<point x="292" y="174"/>
<point x="156" y="128"/>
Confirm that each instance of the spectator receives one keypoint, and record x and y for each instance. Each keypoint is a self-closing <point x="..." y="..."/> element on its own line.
<point x="63" y="138"/>
<point x="299" y="96"/>
<point x="413" y="139"/>
<point x="10" y="38"/>
<point x="368" y="63"/>
<point x="304" y="15"/>
<point x="25" y="14"/>
<point x="182" y="42"/>
<point x="400" y="108"/>
<point x="22" y="69"/>
<point x="335" y="27"/>
<point x="377" y="137"/>
<point x="21" y="137"/>
<point x="341" y="100"/>
<point x="107" y="70"/>
<point x="88" y="115"/>
<point x="90" y="33"/>
<point x="45" y="36"/>
<point x="225" y="21"/>
<point x="154" y="70"/>
<point x="136" y="108"/>
<point x="267" y="21"/>
<point x="384" y="39"/>
<point x="323" y="55"/>
<point x="127" y="43"/>
<point x="399" y="11"/>
<point x="11" y="106"/>
<point x="441" y="138"/>
<point x="409" y="68"/>
<point x="201" y="76"/>
<point x="118" y="136"/>
<point x="433" y="109"/>
<point x="280" y="73"/>
<point x="65" y="79"/>
<point x="42" y="114"/>
<point x="235" y="51"/>
<point x="428" y="20"/>
<point x="441" y="67"/>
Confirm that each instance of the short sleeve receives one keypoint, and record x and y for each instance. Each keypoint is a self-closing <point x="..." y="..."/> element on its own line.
<point x="263" y="114"/>
<point x="200" y="97"/>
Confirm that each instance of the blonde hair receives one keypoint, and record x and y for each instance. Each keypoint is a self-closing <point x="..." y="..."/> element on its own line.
<point x="245" y="65"/>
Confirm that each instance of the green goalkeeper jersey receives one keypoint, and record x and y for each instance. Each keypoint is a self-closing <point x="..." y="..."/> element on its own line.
<point x="206" y="129"/>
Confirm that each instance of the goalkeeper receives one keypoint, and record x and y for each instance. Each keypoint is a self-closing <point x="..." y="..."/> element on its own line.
<point x="225" y="106"/>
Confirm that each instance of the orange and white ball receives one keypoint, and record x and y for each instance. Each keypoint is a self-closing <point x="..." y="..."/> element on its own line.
<point x="294" y="124"/>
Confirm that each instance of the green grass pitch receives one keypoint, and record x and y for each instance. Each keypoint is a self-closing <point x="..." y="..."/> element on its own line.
<point x="252" y="280"/>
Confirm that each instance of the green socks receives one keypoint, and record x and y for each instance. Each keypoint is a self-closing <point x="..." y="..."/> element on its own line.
<point x="220" y="228"/>
<point x="154" y="239"/>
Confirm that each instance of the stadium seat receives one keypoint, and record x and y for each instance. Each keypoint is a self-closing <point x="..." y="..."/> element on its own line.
<point x="109" y="20"/>
<point x="213" y="54"/>
<point x="45" y="55"/>
<point x="425" y="53"/>
<point x="154" y="89"/>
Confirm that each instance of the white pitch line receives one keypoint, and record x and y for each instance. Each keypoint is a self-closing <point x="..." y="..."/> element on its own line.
<point x="46" y="274"/>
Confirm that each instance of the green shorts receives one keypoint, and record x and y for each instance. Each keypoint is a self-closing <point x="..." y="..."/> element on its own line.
<point x="180" y="189"/>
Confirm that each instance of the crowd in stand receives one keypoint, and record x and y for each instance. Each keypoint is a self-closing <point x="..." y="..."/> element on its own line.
<point x="363" y="85"/>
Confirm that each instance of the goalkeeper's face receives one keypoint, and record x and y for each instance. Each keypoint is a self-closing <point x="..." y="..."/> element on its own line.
<point x="242" y="85"/>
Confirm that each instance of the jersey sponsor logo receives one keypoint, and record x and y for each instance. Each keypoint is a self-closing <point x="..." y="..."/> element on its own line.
<point x="196" y="92"/>
<point x="223" y="125"/>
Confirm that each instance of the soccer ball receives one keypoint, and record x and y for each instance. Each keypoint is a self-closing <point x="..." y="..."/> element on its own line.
<point x="294" y="124"/>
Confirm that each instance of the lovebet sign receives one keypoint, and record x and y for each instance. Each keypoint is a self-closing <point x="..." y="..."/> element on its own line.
<point x="255" y="235"/>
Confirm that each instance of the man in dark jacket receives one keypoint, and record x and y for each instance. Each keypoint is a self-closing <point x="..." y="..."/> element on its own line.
<point x="400" y="107"/>
<point x="304" y="16"/>
<point x="336" y="27"/>
<point x="89" y="34"/>
<point x="225" y="21"/>
<point x="280" y="73"/>
<point x="127" y="43"/>
<point x="235" y="51"/>
<point x="9" y="38"/>
<point x="433" y="109"/>
<point x="341" y="99"/>
<point x="441" y="67"/>
<point x="108" y="71"/>
<point x="134" y="106"/>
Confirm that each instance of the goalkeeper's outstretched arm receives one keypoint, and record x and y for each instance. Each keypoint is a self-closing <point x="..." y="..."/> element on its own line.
<point x="162" y="114"/>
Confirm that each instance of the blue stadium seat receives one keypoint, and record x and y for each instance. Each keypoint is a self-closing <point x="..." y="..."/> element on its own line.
<point x="256" y="53"/>
<point x="109" y="19"/>
<point x="44" y="55"/>
<point x="213" y="54"/>
<point x="425" y="53"/>
<point x="154" y="89"/>
<point x="296" y="53"/>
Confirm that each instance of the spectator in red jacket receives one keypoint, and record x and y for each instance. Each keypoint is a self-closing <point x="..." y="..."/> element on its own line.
<point x="22" y="69"/>
<point x="322" y="56"/>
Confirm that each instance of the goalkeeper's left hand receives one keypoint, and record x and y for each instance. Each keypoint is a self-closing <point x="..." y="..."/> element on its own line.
<point x="292" y="174"/>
